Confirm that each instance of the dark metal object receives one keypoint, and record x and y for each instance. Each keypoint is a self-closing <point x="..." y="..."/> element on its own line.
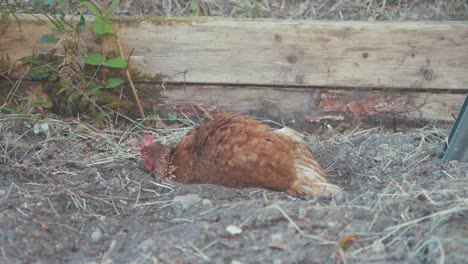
<point x="457" y="146"/>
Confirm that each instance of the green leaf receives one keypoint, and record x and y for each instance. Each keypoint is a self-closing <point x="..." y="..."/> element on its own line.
<point x="32" y="104"/>
<point x="71" y="97"/>
<point x="108" y="27"/>
<point x="114" y="82"/>
<point x="111" y="10"/>
<point x="195" y="9"/>
<point x="49" y="38"/>
<point x="39" y="74"/>
<point x="153" y="116"/>
<point x="172" y="117"/>
<point x="92" y="8"/>
<point x="98" y="25"/>
<point x="32" y="59"/>
<point x="65" y="88"/>
<point x="95" y="89"/>
<point x="102" y="26"/>
<point x="10" y="110"/>
<point x="95" y="59"/>
<point x="116" y="62"/>
<point x="82" y="22"/>
<point x="47" y="104"/>
<point x="48" y="2"/>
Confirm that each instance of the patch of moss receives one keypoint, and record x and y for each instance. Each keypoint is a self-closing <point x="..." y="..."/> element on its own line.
<point x="4" y="19"/>
<point x="159" y="21"/>
<point x="139" y="76"/>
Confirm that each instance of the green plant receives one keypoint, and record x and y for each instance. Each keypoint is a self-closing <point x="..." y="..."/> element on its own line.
<point x="36" y="101"/>
<point x="103" y="26"/>
<point x="97" y="59"/>
<point x="102" y="23"/>
<point x="81" y="84"/>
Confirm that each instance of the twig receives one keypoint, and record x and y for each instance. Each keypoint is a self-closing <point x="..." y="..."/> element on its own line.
<point x="109" y="251"/>
<point x="199" y="252"/>
<point x="53" y="209"/>
<point x="122" y="87"/>
<point x="130" y="81"/>
<point x="204" y="111"/>
<point x="153" y="203"/>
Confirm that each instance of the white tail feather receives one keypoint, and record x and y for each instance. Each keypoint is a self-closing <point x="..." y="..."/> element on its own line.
<point x="311" y="179"/>
<point x="291" y="133"/>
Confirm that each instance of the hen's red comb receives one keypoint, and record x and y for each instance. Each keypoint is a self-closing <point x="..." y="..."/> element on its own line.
<point x="146" y="141"/>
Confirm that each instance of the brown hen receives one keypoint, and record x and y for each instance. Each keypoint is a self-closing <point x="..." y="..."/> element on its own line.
<point x="236" y="151"/>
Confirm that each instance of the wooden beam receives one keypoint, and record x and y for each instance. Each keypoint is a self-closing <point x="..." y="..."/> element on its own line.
<point x="308" y="105"/>
<point x="422" y="55"/>
<point x="296" y="107"/>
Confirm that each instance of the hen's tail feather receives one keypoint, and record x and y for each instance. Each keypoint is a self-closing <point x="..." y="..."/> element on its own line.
<point x="291" y="133"/>
<point x="310" y="178"/>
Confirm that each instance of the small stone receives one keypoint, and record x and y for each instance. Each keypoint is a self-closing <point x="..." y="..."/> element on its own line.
<point x="233" y="230"/>
<point x="378" y="246"/>
<point x="41" y="128"/>
<point x="186" y="201"/>
<point x="207" y="202"/>
<point x="276" y="237"/>
<point x="96" y="235"/>
<point x="407" y="147"/>
<point x="378" y="158"/>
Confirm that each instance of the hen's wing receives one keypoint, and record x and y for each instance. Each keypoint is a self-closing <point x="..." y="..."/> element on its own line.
<point x="234" y="151"/>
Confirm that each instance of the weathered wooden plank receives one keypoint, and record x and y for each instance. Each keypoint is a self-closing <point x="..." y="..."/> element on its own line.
<point x="310" y="105"/>
<point x="282" y="52"/>
<point x="296" y="107"/>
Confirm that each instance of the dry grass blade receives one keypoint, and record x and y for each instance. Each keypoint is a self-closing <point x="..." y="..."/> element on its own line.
<point x="106" y="256"/>
<point x="199" y="252"/>
<point x="457" y="209"/>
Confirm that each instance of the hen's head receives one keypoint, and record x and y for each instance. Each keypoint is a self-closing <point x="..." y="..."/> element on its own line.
<point x="145" y="151"/>
<point x="154" y="155"/>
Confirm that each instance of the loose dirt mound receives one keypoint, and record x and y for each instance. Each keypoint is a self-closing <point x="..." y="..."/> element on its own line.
<point x="81" y="196"/>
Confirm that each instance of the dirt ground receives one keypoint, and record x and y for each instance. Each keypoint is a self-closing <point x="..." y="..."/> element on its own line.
<point x="80" y="196"/>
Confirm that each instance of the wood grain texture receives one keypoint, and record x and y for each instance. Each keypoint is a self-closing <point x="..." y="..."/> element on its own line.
<point x="282" y="52"/>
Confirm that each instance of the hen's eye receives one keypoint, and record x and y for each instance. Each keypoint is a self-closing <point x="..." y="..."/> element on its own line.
<point x="145" y="154"/>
